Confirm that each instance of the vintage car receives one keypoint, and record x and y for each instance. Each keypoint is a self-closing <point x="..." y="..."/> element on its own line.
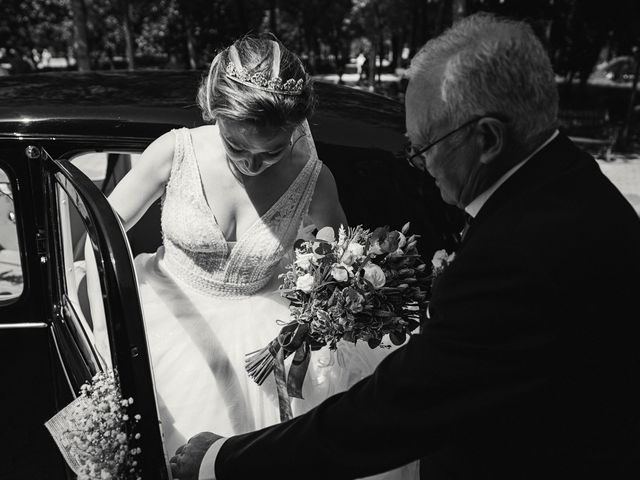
<point x="65" y="141"/>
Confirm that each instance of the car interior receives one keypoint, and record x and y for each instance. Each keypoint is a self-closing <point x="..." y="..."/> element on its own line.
<point x="10" y="266"/>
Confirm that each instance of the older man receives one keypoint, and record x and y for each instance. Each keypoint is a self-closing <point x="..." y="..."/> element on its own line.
<point x="529" y="364"/>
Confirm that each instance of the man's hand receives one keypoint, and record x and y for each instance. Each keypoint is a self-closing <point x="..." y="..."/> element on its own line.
<point x="185" y="464"/>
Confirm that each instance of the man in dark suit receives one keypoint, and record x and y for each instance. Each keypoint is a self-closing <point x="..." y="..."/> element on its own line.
<point x="529" y="363"/>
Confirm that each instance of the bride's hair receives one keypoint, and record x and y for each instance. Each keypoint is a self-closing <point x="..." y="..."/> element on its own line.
<point x="223" y="94"/>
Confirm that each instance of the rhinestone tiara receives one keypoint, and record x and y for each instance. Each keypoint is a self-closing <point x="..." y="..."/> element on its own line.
<point x="262" y="82"/>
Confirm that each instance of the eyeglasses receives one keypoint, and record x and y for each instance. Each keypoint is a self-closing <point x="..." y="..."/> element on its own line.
<point x="412" y="154"/>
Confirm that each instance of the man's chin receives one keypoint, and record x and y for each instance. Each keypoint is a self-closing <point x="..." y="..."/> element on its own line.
<point x="449" y="199"/>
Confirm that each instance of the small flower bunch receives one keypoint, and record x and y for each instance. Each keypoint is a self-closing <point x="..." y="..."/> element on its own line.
<point x="99" y="435"/>
<point x="441" y="260"/>
<point x="362" y="285"/>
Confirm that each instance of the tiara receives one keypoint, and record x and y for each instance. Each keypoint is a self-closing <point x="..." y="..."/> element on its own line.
<point x="261" y="82"/>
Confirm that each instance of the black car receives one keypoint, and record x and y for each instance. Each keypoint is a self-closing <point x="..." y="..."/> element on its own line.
<point x="65" y="141"/>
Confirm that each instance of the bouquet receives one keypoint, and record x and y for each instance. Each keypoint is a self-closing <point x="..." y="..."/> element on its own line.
<point x="95" y="432"/>
<point x="362" y="285"/>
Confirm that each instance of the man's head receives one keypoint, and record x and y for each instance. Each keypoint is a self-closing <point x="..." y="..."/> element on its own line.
<point x="491" y="81"/>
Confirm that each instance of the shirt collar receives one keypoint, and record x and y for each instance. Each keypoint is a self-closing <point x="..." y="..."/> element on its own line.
<point x="477" y="203"/>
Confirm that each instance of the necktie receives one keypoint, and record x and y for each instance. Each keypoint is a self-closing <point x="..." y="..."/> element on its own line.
<point x="467" y="223"/>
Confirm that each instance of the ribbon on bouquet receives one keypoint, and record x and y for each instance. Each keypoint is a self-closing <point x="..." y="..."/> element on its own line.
<point x="259" y="364"/>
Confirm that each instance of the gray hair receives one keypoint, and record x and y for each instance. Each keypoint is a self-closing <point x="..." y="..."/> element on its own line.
<point x="493" y="65"/>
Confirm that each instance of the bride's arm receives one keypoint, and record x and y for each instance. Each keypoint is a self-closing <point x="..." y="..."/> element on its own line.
<point x="145" y="182"/>
<point x="325" y="209"/>
<point x="130" y="199"/>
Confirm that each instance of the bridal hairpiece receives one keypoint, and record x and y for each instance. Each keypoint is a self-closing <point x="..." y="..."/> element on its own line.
<point x="236" y="72"/>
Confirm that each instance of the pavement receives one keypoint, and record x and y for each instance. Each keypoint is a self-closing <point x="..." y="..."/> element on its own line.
<point x="624" y="173"/>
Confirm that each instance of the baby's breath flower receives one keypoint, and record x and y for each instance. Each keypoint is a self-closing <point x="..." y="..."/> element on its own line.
<point x="98" y="435"/>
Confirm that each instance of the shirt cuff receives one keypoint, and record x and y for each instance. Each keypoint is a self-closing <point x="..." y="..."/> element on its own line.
<point x="208" y="466"/>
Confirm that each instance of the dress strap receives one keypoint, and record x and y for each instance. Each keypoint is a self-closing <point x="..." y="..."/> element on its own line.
<point x="179" y="149"/>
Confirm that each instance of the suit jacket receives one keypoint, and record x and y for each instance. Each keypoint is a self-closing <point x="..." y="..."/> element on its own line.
<point x="528" y="366"/>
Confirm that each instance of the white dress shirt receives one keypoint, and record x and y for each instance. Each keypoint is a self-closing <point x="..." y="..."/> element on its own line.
<point x="207" y="467"/>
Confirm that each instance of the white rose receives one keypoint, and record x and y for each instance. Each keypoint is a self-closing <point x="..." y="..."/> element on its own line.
<point x="305" y="283"/>
<point x="439" y="259"/>
<point x="375" y="249"/>
<point x="347" y="258"/>
<point x="354" y="252"/>
<point x="356" y="249"/>
<point x="374" y="274"/>
<point x="339" y="273"/>
<point x="303" y="260"/>
<point x="327" y="234"/>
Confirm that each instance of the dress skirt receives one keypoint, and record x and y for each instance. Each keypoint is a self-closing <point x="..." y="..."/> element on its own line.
<point x="198" y="344"/>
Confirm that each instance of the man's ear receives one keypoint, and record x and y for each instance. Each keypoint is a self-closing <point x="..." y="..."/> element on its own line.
<point x="493" y="137"/>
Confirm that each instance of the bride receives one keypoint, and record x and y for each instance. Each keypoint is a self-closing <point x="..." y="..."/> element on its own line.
<point x="235" y="194"/>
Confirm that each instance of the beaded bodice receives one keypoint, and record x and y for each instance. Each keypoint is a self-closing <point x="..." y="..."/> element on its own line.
<point x="196" y="250"/>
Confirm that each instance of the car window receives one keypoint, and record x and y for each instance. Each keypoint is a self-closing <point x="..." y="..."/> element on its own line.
<point x="11" y="280"/>
<point x="83" y="291"/>
<point x="105" y="169"/>
<point x="93" y="165"/>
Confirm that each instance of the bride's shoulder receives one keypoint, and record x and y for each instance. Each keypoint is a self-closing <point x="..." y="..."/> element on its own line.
<point x="205" y="140"/>
<point x="204" y="131"/>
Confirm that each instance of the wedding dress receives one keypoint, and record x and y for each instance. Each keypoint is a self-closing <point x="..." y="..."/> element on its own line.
<point x="208" y="302"/>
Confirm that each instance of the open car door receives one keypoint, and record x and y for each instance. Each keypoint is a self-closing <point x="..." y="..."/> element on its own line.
<point x="71" y="196"/>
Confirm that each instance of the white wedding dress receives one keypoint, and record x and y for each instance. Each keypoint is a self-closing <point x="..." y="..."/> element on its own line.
<point x="208" y="302"/>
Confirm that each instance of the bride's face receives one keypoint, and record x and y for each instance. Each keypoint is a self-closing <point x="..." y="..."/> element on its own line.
<point x="252" y="149"/>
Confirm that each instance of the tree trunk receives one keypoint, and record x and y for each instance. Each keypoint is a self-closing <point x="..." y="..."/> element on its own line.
<point x="413" y="35"/>
<point x="127" y="13"/>
<point x="394" y="51"/>
<point x="273" y="16"/>
<point x="190" y="41"/>
<point x="440" y="26"/>
<point x="459" y="10"/>
<point x="80" y="42"/>
<point x="622" y="140"/>
<point x="373" y="53"/>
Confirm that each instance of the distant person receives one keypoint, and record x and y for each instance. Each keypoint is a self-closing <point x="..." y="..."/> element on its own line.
<point x="361" y="61"/>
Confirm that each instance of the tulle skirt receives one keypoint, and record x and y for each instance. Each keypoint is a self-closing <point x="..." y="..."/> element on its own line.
<point x="198" y="344"/>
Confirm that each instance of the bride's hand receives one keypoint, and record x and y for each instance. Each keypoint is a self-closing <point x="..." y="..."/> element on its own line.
<point x="185" y="464"/>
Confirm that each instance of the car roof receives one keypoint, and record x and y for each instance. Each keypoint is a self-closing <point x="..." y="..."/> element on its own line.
<point x="147" y="103"/>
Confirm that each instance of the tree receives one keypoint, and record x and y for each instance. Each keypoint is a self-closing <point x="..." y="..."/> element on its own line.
<point x="29" y="25"/>
<point x="126" y="8"/>
<point x="80" y="41"/>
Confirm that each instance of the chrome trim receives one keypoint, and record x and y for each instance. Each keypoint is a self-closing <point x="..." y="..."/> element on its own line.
<point x="8" y="326"/>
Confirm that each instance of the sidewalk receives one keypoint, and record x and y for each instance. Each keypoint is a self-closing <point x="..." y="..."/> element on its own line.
<point x="624" y="172"/>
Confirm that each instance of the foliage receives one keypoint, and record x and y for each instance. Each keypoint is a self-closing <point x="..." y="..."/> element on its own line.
<point x="326" y="33"/>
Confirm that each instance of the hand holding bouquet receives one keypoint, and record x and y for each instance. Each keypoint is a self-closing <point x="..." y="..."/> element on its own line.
<point x="362" y="285"/>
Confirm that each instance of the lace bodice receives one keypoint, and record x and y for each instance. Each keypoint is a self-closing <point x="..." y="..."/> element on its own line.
<point x="196" y="250"/>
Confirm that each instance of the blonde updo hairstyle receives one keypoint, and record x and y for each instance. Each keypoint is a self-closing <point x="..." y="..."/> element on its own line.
<point x="221" y="96"/>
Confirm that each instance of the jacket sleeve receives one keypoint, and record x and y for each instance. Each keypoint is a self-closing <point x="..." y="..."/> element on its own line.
<point x="468" y="363"/>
